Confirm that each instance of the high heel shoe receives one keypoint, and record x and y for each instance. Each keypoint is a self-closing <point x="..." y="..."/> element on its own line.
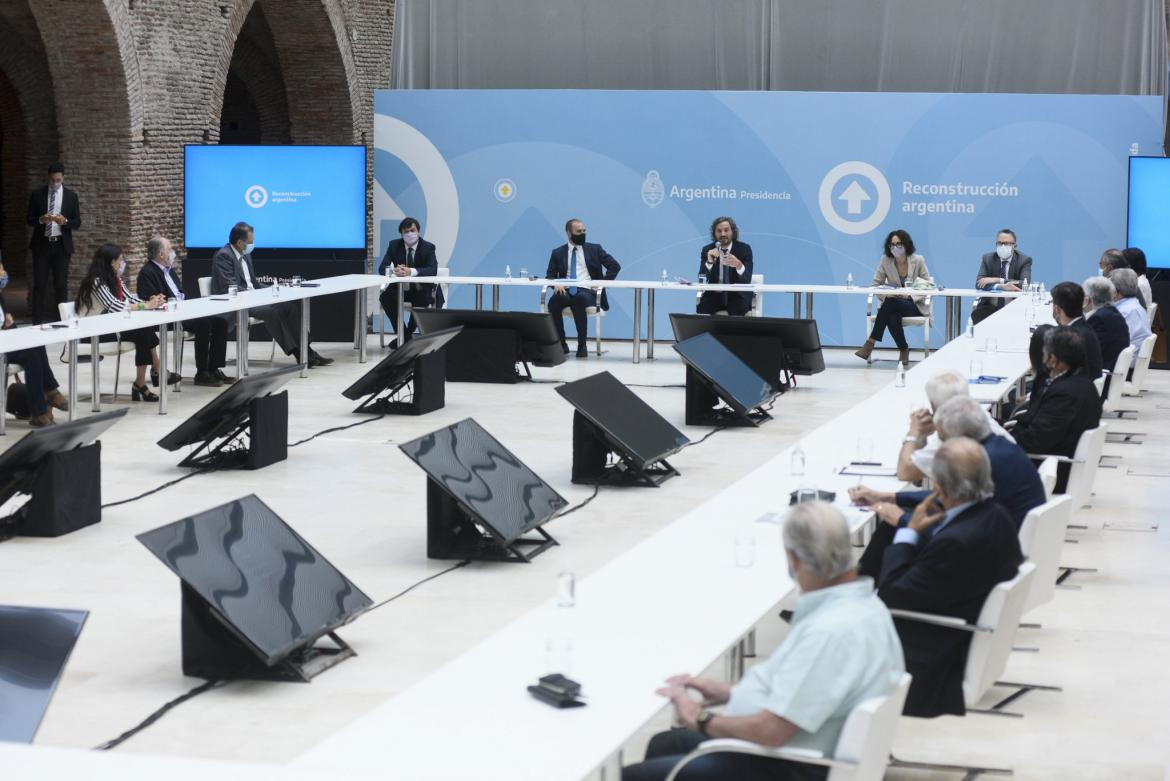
<point x="141" y="393"/>
<point x="172" y="378"/>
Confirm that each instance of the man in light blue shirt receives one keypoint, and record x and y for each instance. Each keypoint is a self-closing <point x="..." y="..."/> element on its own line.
<point x="842" y="649"/>
<point x="1137" y="319"/>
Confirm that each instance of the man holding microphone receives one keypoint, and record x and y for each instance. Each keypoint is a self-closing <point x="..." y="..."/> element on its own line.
<point x="726" y="260"/>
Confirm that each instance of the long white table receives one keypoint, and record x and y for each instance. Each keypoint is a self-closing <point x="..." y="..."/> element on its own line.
<point x="674" y="603"/>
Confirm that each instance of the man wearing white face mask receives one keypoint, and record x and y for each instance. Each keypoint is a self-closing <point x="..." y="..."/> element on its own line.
<point x="409" y="256"/>
<point x="53" y="214"/>
<point x="1005" y="269"/>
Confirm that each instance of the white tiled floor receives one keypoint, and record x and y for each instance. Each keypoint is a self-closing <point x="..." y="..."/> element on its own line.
<point x="355" y="497"/>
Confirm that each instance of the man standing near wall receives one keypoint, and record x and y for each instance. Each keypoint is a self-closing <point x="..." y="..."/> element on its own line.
<point x="53" y="214"/>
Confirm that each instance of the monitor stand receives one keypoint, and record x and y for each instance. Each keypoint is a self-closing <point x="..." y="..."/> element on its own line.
<point x="485" y="355"/>
<point x="428" y="380"/>
<point x="262" y="439"/>
<point x="453" y="533"/>
<point x="591" y="460"/>
<point x="212" y="650"/>
<point x="701" y="402"/>
<point x="66" y="495"/>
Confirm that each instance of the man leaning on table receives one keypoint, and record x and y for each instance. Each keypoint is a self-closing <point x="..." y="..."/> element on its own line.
<point x="1004" y="269"/>
<point x="842" y="649"/>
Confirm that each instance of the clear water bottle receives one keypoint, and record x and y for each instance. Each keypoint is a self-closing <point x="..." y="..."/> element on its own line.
<point x="970" y="329"/>
<point x="849" y="281"/>
<point x="796" y="462"/>
<point x="665" y="277"/>
<point x="900" y="375"/>
<point x="566" y="588"/>
<point x="507" y="272"/>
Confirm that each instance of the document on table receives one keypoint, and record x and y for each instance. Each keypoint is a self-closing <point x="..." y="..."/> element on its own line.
<point x="869" y="470"/>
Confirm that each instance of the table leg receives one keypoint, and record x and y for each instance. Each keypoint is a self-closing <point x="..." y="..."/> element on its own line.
<point x="649" y="323"/>
<point x="163" y="385"/>
<point x="73" y="376"/>
<point x="95" y="365"/>
<point x="808" y="301"/>
<point x="400" y="327"/>
<point x="363" y="313"/>
<point x="950" y="319"/>
<point x="958" y="329"/>
<point x="3" y="392"/>
<point x="479" y="296"/>
<point x="796" y="305"/>
<point x="637" y="325"/>
<point x="495" y="298"/>
<point x="242" y="344"/>
<point x="304" y="338"/>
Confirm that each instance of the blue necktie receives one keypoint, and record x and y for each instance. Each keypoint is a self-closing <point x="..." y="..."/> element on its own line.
<point x="573" y="271"/>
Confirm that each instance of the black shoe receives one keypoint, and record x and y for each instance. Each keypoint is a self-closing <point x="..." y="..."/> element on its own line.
<point x="565" y="347"/>
<point x="582" y="352"/>
<point x="219" y="375"/>
<point x="207" y="380"/>
<point x="317" y="359"/>
<point x="141" y="393"/>
<point x="172" y="378"/>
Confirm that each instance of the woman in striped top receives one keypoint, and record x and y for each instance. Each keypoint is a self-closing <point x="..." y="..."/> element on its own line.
<point x="101" y="292"/>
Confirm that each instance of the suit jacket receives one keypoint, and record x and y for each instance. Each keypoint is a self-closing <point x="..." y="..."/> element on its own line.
<point x="741" y="250"/>
<point x="227" y="270"/>
<point x="1019" y="268"/>
<point x="1093" y="357"/>
<point x="886" y="273"/>
<point x="1112" y="333"/>
<point x="950" y="574"/>
<point x="600" y="263"/>
<point x="424" y="260"/>
<point x="1056" y="417"/>
<point x="38" y="204"/>
<point x="152" y="280"/>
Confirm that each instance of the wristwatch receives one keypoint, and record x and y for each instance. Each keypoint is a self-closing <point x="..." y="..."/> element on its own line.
<point x="704" y="719"/>
<point x="912" y="440"/>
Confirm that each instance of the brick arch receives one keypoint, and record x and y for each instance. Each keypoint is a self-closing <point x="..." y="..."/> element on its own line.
<point x="255" y="79"/>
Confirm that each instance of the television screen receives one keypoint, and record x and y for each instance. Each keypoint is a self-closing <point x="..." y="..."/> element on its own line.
<point x="538" y="336"/>
<point x="399" y="364"/>
<point x="259" y="575"/>
<point x="625" y="418"/>
<point x="1149" y="217"/>
<point x="35" y="643"/>
<point x="296" y="197"/>
<point x="737" y="384"/>
<point x="224" y="412"/>
<point x="26" y="455"/>
<point x="795" y="342"/>
<point x="487" y="480"/>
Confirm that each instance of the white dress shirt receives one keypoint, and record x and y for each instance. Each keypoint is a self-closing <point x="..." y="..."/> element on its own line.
<point x="247" y="277"/>
<point x="582" y="269"/>
<point x="55" y="208"/>
<point x="175" y="292"/>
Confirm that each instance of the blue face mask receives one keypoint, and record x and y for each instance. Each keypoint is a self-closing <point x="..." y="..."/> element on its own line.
<point x="248" y="249"/>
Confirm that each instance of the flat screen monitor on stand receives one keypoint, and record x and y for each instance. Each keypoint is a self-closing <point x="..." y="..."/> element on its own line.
<point x="35" y="644"/>
<point x="610" y="420"/>
<point x="774" y="347"/>
<point x="493" y="343"/>
<point x="419" y="363"/>
<point x="721" y="389"/>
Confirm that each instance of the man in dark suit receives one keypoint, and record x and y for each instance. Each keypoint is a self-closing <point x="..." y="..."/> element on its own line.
<point x="409" y="256"/>
<point x="1068" y="300"/>
<point x="726" y="260"/>
<point x="1064" y="408"/>
<point x="40" y="385"/>
<point x="1107" y="323"/>
<point x="957" y="546"/>
<point x="1004" y="269"/>
<point x="232" y="265"/>
<point x="53" y="214"/>
<point x="578" y="262"/>
<point x="158" y="276"/>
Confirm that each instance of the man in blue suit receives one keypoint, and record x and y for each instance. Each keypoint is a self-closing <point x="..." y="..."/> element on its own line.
<point x="578" y="263"/>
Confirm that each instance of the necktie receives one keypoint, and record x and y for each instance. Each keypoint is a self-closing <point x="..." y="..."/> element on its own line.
<point x="1004" y="272"/>
<point x="410" y="257"/>
<point x="52" y="208"/>
<point x="573" y="271"/>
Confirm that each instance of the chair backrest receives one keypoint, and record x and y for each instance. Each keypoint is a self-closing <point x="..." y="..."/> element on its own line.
<point x="1041" y="540"/>
<point x="868" y="735"/>
<point x="988" y="655"/>
<point x="1084" y="470"/>
<point x="204" y="287"/>
<point x="1141" y="367"/>
<point x="758" y="301"/>
<point x="1117" y="382"/>
<point x="1151" y="311"/>
<point x="1048" y="473"/>
<point x="66" y="310"/>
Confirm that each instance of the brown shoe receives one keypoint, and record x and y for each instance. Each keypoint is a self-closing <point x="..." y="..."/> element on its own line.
<point x="904" y="357"/>
<point x="865" y="350"/>
<point x="57" y="401"/>
<point x="40" y="421"/>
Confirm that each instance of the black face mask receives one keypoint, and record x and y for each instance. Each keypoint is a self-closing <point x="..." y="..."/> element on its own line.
<point x="577" y="238"/>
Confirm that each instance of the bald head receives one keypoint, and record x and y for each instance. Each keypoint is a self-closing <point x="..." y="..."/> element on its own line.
<point x="962" y="471"/>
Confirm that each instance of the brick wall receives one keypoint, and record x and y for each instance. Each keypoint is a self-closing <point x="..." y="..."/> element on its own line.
<point x="115" y="88"/>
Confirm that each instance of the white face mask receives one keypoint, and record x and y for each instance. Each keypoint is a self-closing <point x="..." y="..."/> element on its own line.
<point x="898" y="251"/>
<point x="1004" y="251"/>
<point x="410" y="237"/>
<point x="171" y="259"/>
<point x="120" y="269"/>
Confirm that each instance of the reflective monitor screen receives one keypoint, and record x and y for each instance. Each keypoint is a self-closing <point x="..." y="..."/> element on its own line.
<point x="35" y="643"/>
<point x="742" y="386"/>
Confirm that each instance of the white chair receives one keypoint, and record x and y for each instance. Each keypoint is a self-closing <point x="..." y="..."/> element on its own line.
<point x="1117" y="382"/>
<point x="1041" y="540"/>
<point x="596" y="312"/>
<point x="1047" y="470"/>
<point x="442" y="271"/>
<point x="1141" y="367"/>
<point x="861" y="753"/>
<point x="1083" y="464"/>
<point x="205" y="291"/>
<point x="1151" y="311"/>
<point x="925" y="322"/>
<point x="66" y="312"/>
<point x="757" y="309"/>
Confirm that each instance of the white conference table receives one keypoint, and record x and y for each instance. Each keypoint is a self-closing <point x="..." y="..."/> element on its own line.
<point x="673" y="603"/>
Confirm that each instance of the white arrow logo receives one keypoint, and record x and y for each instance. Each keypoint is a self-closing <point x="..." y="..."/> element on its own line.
<point x="854" y="195"/>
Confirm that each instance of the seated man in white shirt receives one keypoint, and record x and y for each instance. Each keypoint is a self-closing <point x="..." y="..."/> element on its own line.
<point x="1136" y="317"/>
<point x="842" y="649"/>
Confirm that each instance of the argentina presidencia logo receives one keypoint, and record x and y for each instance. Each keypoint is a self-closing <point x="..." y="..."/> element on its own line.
<point x="652" y="190"/>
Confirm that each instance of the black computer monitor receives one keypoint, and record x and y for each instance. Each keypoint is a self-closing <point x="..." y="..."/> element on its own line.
<point x="770" y="345"/>
<point x="610" y="417"/>
<point x="35" y="644"/>
<point x="256" y="595"/>
<point x="481" y="499"/>
<point x="397" y="369"/>
<point x="26" y="455"/>
<point x="715" y="374"/>
<point x="538" y="340"/>
<point x="226" y="416"/>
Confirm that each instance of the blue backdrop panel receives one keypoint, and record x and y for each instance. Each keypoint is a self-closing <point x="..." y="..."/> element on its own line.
<point x="814" y="180"/>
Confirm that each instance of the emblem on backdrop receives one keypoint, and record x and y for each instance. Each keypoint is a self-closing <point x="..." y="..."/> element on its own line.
<point x="255" y="196"/>
<point x="652" y="190"/>
<point x="505" y="190"/>
<point x="854" y="197"/>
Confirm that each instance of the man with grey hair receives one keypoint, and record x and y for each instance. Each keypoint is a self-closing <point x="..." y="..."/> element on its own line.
<point x="1107" y="323"/>
<point x="921" y="441"/>
<point x="842" y="649"/>
<point x="158" y="277"/>
<point x="957" y="546"/>
<point x="1137" y="320"/>
<point x="1017" y="485"/>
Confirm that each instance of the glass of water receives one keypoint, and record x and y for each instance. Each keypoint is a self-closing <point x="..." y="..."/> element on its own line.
<point x="864" y="450"/>
<point x="524" y="273"/>
<point x="975" y="368"/>
<point x="233" y="291"/>
<point x="745" y="550"/>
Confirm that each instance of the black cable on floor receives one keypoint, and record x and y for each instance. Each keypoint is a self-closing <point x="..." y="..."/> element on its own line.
<point x="202" y="471"/>
<point x="335" y="428"/>
<point x="576" y="507"/>
<point x="412" y="587"/>
<point x="158" y="714"/>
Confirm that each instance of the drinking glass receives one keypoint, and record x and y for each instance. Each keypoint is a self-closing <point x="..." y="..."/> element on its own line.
<point x="745" y="550"/>
<point x="975" y="369"/>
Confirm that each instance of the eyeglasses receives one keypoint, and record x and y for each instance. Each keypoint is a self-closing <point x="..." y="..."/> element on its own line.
<point x="895" y="244"/>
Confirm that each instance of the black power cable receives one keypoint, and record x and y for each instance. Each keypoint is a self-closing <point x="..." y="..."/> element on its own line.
<point x="335" y="428"/>
<point x="413" y="586"/>
<point x="145" y="494"/>
<point x="158" y="714"/>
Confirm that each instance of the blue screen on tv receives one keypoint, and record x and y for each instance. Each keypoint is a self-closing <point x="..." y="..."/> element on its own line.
<point x="1149" y="208"/>
<point x="296" y="197"/>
